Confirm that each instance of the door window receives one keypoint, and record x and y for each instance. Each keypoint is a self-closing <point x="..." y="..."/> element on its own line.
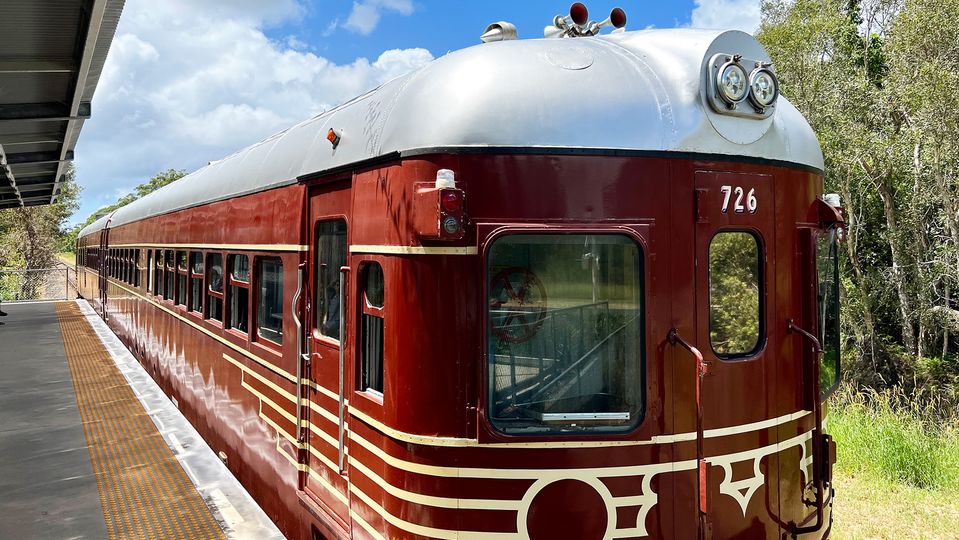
<point x="827" y="266"/>
<point x="330" y="257"/>
<point x="735" y="294"/>
<point x="565" y="340"/>
<point x="371" y="354"/>
<point x="269" y="304"/>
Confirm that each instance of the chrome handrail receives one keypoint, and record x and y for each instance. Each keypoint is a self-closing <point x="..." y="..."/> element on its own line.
<point x="342" y="412"/>
<point x="294" y="305"/>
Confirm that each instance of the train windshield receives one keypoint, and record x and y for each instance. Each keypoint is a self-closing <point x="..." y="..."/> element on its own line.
<point x="565" y="333"/>
<point x="827" y="264"/>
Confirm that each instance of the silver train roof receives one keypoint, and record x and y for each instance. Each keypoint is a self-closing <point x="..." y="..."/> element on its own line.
<point x="634" y="91"/>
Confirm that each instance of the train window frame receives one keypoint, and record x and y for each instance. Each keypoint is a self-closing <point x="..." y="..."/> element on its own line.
<point x="320" y="285"/>
<point x="158" y="272"/>
<point x="182" y="263"/>
<point x="373" y="315"/>
<point x="209" y="292"/>
<point x="761" y="337"/>
<point x="831" y="235"/>
<point x="641" y="361"/>
<point x="150" y="271"/>
<point x="169" y="275"/>
<point x="138" y="268"/>
<point x="257" y="298"/>
<point x="193" y="277"/>
<point x="234" y="286"/>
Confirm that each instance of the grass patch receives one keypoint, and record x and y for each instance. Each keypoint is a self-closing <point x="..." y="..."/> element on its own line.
<point x="897" y="472"/>
<point x="68" y="258"/>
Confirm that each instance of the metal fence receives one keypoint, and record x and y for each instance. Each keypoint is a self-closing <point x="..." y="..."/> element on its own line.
<point x="21" y="285"/>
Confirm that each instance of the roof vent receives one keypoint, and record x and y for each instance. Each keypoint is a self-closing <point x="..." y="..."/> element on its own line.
<point x="499" y="31"/>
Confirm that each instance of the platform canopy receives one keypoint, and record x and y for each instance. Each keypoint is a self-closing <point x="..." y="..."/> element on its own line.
<point x="51" y="56"/>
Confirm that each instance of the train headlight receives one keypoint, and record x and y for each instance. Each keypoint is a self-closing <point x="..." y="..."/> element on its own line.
<point x="732" y="83"/>
<point x="763" y="88"/>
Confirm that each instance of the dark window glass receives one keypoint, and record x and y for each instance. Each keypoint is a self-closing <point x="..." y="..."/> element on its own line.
<point x="735" y="293"/>
<point x="269" y="311"/>
<point x="330" y="257"/>
<point x="565" y="340"/>
<point x="196" y="282"/>
<point x="827" y="260"/>
<point x="181" y="279"/>
<point x="239" y="294"/>
<point x="214" y="276"/>
<point x="169" y="274"/>
<point x="137" y="268"/>
<point x="371" y="365"/>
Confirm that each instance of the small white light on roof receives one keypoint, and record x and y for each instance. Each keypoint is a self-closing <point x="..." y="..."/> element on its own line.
<point x="445" y="178"/>
<point x="732" y="83"/>
<point x="763" y="87"/>
<point x="832" y="199"/>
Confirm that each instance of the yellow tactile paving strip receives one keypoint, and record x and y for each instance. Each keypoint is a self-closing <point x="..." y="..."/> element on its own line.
<point x="144" y="491"/>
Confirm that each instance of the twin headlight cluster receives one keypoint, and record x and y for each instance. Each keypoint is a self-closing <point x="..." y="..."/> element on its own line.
<point x="742" y="87"/>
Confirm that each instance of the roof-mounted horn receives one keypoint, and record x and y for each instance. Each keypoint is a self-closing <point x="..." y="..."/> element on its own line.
<point x="577" y="23"/>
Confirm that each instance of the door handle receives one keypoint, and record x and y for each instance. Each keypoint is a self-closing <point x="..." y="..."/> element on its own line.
<point x="344" y="271"/>
<point x="702" y="368"/>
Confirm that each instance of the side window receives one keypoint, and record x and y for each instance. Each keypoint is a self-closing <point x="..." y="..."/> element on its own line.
<point x="139" y="269"/>
<point x="565" y="334"/>
<point x="168" y="275"/>
<point x="827" y="266"/>
<point x="158" y="273"/>
<point x="214" y="291"/>
<point x="269" y="302"/>
<point x="735" y="294"/>
<point x="371" y="331"/>
<point x="181" y="277"/>
<point x="330" y="257"/>
<point x="239" y="293"/>
<point x="150" y="270"/>
<point x="196" y="282"/>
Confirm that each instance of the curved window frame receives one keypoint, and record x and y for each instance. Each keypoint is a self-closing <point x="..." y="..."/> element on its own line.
<point x="762" y="338"/>
<point x="833" y="238"/>
<point x="636" y="424"/>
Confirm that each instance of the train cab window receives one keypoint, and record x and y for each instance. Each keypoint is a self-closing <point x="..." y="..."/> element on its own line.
<point x="196" y="282"/>
<point x="371" y="338"/>
<point x="735" y="294"/>
<point x="330" y="257"/>
<point x="150" y="270"/>
<point x="239" y="293"/>
<point x="181" y="279"/>
<point x="564" y="335"/>
<point x="214" y="291"/>
<point x="269" y="302"/>
<point x="158" y="273"/>
<point x="169" y="274"/>
<point x="827" y="267"/>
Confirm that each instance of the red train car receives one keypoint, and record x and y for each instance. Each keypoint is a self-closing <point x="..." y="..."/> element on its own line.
<point x="559" y="288"/>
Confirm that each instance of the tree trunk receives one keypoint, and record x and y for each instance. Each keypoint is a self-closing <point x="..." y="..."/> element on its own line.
<point x="899" y="277"/>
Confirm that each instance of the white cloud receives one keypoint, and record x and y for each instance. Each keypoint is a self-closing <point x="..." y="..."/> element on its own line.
<point x="727" y="14"/>
<point x="366" y="14"/>
<point x="186" y="83"/>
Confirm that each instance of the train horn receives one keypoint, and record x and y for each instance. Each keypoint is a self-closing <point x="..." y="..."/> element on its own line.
<point x="573" y="24"/>
<point x="616" y="19"/>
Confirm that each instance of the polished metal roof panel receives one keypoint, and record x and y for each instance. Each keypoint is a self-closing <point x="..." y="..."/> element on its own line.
<point x="635" y="91"/>
<point x="51" y="57"/>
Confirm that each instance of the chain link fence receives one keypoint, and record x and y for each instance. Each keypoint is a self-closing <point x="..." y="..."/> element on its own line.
<point x="19" y="285"/>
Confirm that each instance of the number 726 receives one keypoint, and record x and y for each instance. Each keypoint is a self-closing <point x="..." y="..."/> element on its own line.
<point x="751" y="203"/>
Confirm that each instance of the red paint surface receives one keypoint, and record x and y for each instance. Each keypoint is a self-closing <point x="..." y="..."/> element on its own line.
<point x="435" y="366"/>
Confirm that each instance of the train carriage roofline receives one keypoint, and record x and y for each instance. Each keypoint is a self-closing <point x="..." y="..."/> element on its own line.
<point x="639" y="92"/>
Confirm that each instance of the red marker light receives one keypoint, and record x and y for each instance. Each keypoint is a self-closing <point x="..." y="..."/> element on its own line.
<point x="333" y="137"/>
<point x="578" y="13"/>
<point x="452" y="201"/>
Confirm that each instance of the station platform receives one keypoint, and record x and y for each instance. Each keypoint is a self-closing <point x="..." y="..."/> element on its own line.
<point x="90" y="447"/>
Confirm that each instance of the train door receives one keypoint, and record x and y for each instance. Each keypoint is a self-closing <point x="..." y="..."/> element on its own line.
<point x="104" y="270"/>
<point x="330" y="370"/>
<point x="735" y="321"/>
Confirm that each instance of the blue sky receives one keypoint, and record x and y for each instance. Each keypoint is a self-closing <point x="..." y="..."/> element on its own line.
<point x="190" y="81"/>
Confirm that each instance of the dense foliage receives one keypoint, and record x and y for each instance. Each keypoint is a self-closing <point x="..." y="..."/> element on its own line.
<point x="879" y="82"/>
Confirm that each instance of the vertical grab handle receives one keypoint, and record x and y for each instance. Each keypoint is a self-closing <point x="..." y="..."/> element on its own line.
<point x="294" y="310"/>
<point x="702" y="369"/>
<point x="817" y="465"/>
<point x="344" y="271"/>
